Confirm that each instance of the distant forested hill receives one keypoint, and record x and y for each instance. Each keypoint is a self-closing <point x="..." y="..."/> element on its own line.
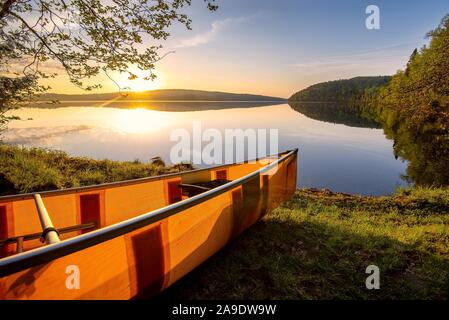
<point x="162" y="95"/>
<point x="412" y="106"/>
<point x="349" y="90"/>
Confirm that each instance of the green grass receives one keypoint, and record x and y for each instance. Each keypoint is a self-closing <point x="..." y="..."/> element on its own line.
<point x="25" y="170"/>
<point x="318" y="245"/>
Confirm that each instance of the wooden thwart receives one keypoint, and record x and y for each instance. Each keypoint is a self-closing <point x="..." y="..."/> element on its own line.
<point x="33" y="236"/>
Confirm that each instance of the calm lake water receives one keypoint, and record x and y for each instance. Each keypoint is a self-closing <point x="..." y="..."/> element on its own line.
<point x="335" y="156"/>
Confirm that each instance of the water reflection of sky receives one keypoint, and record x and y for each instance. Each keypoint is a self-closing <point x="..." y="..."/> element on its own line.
<point x="342" y="158"/>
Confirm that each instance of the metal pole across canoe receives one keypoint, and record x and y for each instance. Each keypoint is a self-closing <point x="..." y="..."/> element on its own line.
<point x="49" y="233"/>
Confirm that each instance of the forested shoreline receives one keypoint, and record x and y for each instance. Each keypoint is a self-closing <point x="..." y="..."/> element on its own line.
<point x="412" y="106"/>
<point x="351" y="91"/>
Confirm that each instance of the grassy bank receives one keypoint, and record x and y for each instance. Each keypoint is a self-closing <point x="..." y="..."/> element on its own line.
<point x="318" y="245"/>
<point x="34" y="169"/>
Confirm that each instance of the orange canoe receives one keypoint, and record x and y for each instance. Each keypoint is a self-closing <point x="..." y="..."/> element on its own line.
<point x="133" y="238"/>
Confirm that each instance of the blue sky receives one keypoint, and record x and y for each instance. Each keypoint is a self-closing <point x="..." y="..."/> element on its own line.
<point x="277" y="47"/>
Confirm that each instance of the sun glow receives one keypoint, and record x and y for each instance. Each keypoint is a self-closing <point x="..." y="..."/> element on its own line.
<point x="139" y="121"/>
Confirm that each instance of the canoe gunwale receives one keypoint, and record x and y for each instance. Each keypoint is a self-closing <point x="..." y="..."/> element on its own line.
<point x="51" y="252"/>
<point x="48" y="193"/>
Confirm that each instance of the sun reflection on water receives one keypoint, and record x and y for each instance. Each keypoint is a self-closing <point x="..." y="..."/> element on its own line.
<point x="138" y="121"/>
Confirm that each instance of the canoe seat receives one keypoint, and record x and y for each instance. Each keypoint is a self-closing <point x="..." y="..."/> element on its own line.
<point x="193" y="189"/>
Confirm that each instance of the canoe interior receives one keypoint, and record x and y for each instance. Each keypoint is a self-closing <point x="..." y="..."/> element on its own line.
<point x="147" y="260"/>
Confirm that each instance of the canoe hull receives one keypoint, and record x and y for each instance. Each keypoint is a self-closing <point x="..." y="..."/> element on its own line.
<point x="144" y="262"/>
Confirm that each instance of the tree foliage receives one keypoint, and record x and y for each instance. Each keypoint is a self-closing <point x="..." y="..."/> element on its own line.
<point x="81" y="38"/>
<point x="414" y="109"/>
<point x="14" y="92"/>
<point x="347" y="90"/>
<point x="343" y="101"/>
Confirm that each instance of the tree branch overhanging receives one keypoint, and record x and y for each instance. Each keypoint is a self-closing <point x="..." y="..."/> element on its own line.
<point x="5" y="8"/>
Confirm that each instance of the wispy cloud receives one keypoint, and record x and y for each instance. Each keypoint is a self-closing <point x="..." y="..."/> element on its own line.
<point x="379" y="58"/>
<point x="210" y="35"/>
